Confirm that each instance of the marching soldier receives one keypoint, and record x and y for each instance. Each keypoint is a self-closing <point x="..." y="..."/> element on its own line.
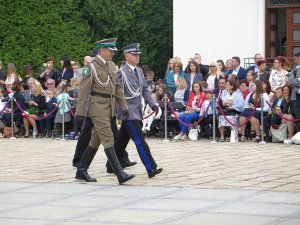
<point x="99" y="89"/>
<point x="135" y="88"/>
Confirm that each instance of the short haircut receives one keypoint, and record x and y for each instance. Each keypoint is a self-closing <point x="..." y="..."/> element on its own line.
<point x="204" y="84"/>
<point x="244" y="82"/>
<point x="237" y="59"/>
<point x="49" y="58"/>
<point x="260" y="62"/>
<point x="150" y="73"/>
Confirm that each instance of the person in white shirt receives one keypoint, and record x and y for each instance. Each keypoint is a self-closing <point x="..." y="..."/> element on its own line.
<point x="277" y="76"/>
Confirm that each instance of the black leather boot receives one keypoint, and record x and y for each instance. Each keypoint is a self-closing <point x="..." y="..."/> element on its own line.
<point x="84" y="164"/>
<point x="116" y="166"/>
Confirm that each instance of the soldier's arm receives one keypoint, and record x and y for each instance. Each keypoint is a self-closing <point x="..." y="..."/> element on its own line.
<point x="85" y="86"/>
<point x="119" y="95"/>
<point x="293" y="81"/>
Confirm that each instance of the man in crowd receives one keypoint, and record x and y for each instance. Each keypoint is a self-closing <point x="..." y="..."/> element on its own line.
<point x="237" y="69"/>
<point x="47" y="72"/>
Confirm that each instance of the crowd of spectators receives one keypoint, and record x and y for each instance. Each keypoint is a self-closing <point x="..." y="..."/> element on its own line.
<point x="45" y="104"/>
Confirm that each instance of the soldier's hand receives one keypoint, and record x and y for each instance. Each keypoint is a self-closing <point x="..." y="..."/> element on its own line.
<point x="79" y="120"/>
<point x="155" y="109"/>
<point x="125" y="114"/>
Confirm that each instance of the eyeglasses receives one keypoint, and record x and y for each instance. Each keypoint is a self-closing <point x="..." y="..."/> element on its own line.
<point x="49" y="84"/>
<point x="212" y="66"/>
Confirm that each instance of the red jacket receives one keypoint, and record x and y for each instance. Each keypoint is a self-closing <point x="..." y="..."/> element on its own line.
<point x="200" y="100"/>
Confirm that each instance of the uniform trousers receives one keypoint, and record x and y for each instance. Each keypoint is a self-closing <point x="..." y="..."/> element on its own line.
<point x="133" y="129"/>
<point x="85" y="137"/>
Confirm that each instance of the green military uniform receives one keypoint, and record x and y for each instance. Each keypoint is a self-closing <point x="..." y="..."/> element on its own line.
<point x="98" y="101"/>
<point x="99" y="91"/>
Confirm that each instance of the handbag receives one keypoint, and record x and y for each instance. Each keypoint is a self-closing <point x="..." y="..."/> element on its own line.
<point x="7" y="131"/>
<point x="280" y="134"/>
<point x="193" y="134"/>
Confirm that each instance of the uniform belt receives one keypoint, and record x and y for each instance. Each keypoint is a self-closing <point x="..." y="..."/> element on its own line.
<point x="104" y="95"/>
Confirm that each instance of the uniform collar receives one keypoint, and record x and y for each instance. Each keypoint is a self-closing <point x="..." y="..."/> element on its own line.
<point x="102" y="59"/>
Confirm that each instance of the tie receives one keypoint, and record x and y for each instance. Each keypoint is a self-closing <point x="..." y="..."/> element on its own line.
<point x="136" y="73"/>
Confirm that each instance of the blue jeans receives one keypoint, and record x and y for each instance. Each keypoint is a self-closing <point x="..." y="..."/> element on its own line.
<point x="187" y="118"/>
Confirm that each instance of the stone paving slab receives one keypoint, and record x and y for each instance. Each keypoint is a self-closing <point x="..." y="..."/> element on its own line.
<point x="202" y="183"/>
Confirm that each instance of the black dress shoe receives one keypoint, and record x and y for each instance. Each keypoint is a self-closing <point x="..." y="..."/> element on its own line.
<point x="128" y="164"/>
<point x="154" y="172"/>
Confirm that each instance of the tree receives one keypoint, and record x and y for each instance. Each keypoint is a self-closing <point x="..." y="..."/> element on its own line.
<point x="35" y="29"/>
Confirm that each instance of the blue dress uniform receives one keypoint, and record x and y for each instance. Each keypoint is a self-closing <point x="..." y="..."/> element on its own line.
<point x="135" y="88"/>
<point x="99" y="90"/>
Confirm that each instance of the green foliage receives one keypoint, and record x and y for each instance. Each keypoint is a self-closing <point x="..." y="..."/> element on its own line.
<point x="32" y="30"/>
<point x="35" y="29"/>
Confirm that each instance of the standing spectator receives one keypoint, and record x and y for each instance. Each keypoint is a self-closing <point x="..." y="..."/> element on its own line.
<point x="172" y="77"/>
<point x="48" y="72"/>
<point x="277" y="76"/>
<point x="170" y="68"/>
<point x="257" y="57"/>
<point x="221" y="66"/>
<point x="213" y="76"/>
<point x="27" y="74"/>
<point x="149" y="80"/>
<point x="262" y="72"/>
<point x="237" y="69"/>
<point x="228" y="67"/>
<point x="253" y="100"/>
<point x="191" y="113"/>
<point x="193" y="74"/>
<point x="2" y="74"/>
<point x="77" y="72"/>
<point x="232" y="103"/>
<point x="37" y="107"/>
<point x="294" y="81"/>
<point x="267" y="89"/>
<point x="12" y="76"/>
<point x="203" y="68"/>
<point x="288" y="112"/>
<point x="66" y="72"/>
<point x="180" y="91"/>
<point x="244" y="88"/>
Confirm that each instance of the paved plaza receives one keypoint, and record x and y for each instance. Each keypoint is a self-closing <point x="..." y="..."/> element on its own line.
<point x="202" y="183"/>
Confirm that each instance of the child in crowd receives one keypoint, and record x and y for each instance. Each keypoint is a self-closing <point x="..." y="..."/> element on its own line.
<point x="149" y="80"/>
<point x="51" y="104"/>
<point x="73" y="92"/>
<point x="63" y="109"/>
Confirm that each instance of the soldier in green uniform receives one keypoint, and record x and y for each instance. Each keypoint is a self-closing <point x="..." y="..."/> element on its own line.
<point x="99" y="91"/>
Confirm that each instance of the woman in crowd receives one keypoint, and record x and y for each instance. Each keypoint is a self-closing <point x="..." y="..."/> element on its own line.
<point x="160" y="92"/>
<point x="267" y="89"/>
<point x="170" y="68"/>
<point x="221" y="66"/>
<point x="172" y="77"/>
<point x="66" y="72"/>
<point x="27" y="74"/>
<point x="287" y="111"/>
<point x="277" y="76"/>
<point x="232" y="103"/>
<point x="213" y="76"/>
<point x="191" y="113"/>
<point x="262" y="73"/>
<point x="250" y="79"/>
<point x="19" y="98"/>
<point x="253" y="100"/>
<point x="244" y="88"/>
<point x="193" y="74"/>
<point x="12" y="76"/>
<point x="180" y="90"/>
<point x="37" y="107"/>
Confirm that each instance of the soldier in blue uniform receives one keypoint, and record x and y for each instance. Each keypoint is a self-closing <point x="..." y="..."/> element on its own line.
<point x="135" y="88"/>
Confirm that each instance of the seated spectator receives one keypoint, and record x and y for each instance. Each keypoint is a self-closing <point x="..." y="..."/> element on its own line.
<point x="19" y="98"/>
<point x="204" y="85"/>
<point x="277" y="76"/>
<point x="37" y="107"/>
<point x="192" y="111"/>
<point x="272" y="120"/>
<point x="28" y="92"/>
<point x="193" y="74"/>
<point x="221" y="88"/>
<point x="237" y="69"/>
<point x="50" y="86"/>
<point x="267" y="89"/>
<point x="262" y="72"/>
<point x="213" y="76"/>
<point x="180" y="91"/>
<point x="244" y="88"/>
<point x="172" y="77"/>
<point x="250" y="79"/>
<point x="160" y="93"/>
<point x="253" y="100"/>
<point x="149" y="117"/>
<point x="208" y="115"/>
<point x="288" y="112"/>
<point x="231" y="103"/>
